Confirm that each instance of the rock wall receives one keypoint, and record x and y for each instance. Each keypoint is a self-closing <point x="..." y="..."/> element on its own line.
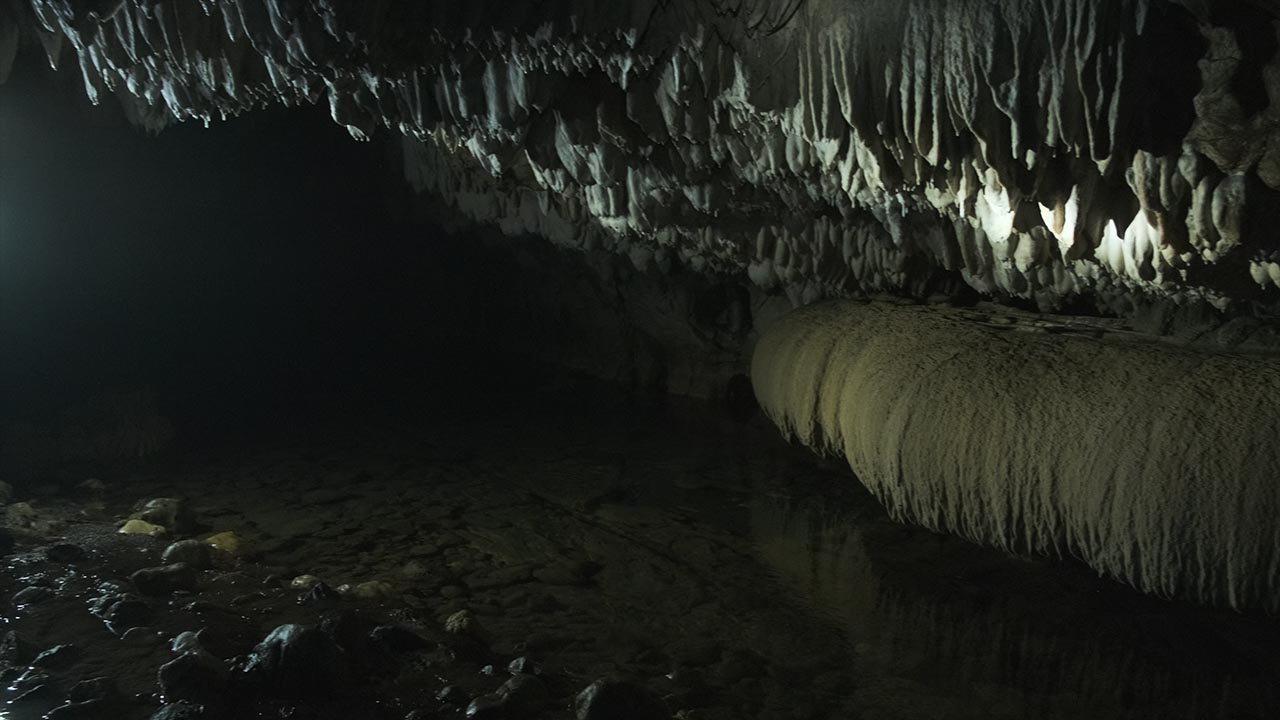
<point x="1154" y="465"/>
<point x="1066" y="153"/>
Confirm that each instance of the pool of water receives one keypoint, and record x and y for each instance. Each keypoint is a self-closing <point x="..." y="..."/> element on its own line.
<point x="735" y="575"/>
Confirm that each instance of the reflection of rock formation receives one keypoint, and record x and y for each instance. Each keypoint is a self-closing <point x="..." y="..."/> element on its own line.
<point x="1154" y="465"/>
<point x="1048" y="151"/>
<point x="939" y="626"/>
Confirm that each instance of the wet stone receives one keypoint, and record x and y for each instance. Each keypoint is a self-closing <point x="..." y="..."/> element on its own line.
<point x="297" y="659"/>
<point x="57" y="657"/>
<point x="196" y="553"/>
<point x="319" y="594"/>
<point x="618" y="699"/>
<point x="172" y="513"/>
<point x="32" y="595"/>
<point x="65" y="553"/>
<point x="165" y="579"/>
<point x="121" y="612"/>
<point x="195" y="676"/>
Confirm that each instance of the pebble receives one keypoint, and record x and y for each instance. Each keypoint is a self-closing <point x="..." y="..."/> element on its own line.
<point x="195" y="676"/>
<point x="297" y="659"/>
<point x="172" y="513"/>
<point x="462" y="622"/>
<point x="30" y="595"/>
<point x="319" y="594"/>
<point x="57" y="657"/>
<point x="65" y="553"/>
<point x="165" y="579"/>
<point x="304" y="582"/>
<point x="121" y="612"/>
<point x="21" y="515"/>
<point x="142" y="527"/>
<point x="228" y="542"/>
<point x="196" y="553"/>
<point x="618" y="699"/>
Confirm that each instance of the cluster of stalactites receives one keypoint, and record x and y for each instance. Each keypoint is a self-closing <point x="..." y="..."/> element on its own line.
<point x="1043" y="150"/>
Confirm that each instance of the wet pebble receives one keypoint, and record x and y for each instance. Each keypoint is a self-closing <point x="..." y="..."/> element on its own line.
<point x="196" y="553"/>
<point x="319" y="594"/>
<point x="165" y="579"/>
<point x="196" y="676"/>
<point x="121" y="612"/>
<point x="142" y="527"/>
<point x="32" y="595"/>
<point x="619" y="699"/>
<point x="297" y="659"/>
<point x="172" y="513"/>
<point x="58" y="657"/>
<point x="65" y="553"/>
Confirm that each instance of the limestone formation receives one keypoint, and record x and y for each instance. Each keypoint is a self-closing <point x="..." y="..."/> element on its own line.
<point x="1154" y="465"/>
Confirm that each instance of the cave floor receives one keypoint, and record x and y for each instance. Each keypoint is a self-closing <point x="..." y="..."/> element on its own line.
<point x="731" y="574"/>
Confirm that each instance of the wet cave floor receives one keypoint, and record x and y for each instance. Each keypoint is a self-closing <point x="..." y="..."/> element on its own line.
<point x="589" y="535"/>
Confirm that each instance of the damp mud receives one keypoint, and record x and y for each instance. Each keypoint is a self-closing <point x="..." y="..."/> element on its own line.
<point x="454" y="559"/>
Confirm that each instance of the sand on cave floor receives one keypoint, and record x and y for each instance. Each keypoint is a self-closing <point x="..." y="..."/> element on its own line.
<point x="736" y="575"/>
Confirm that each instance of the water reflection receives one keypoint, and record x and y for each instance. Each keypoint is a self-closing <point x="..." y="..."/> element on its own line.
<point x="941" y="629"/>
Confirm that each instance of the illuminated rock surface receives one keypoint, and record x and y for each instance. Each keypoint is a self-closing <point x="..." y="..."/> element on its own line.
<point x="1067" y="153"/>
<point x="1155" y="465"/>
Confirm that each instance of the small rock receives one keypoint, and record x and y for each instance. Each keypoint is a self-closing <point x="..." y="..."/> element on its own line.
<point x="462" y="622"/>
<point x="452" y="694"/>
<point x="371" y="590"/>
<point x="165" y="579"/>
<point x="65" y="553"/>
<point x="228" y="542"/>
<point x="93" y="486"/>
<point x="414" y="570"/>
<point x="172" y="513"/>
<point x="522" y="665"/>
<point x="142" y="527"/>
<point x="487" y="707"/>
<point x="617" y="699"/>
<point x="31" y="595"/>
<point x="57" y="657"/>
<point x="195" y="676"/>
<point x="319" y="594"/>
<point x="303" y="582"/>
<point x="121" y="612"/>
<point x="20" y="515"/>
<point x="196" y="553"/>
<point x="488" y="670"/>
<point x="297" y="659"/>
<point x="14" y="650"/>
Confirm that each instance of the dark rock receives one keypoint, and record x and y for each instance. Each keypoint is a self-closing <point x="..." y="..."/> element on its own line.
<point x="524" y="695"/>
<point x="99" y="688"/>
<point x="196" y="553"/>
<point x="172" y="513"/>
<point x="452" y="694"/>
<point x="165" y="579"/>
<point x="617" y="699"/>
<point x="87" y="710"/>
<point x="396" y="639"/>
<point x="179" y="711"/>
<point x="319" y="594"/>
<point x="194" y="676"/>
<point x="14" y="650"/>
<point x="524" y="665"/>
<point x="488" y="670"/>
<point x="486" y="707"/>
<point x="122" y="612"/>
<point x="297" y="659"/>
<point x="65" y="553"/>
<point x="31" y="595"/>
<point x="57" y="657"/>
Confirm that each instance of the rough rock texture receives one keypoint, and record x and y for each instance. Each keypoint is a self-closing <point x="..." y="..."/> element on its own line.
<point x="1065" y="152"/>
<point x="1154" y="465"/>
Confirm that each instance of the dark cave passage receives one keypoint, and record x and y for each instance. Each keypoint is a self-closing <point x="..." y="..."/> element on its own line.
<point x="511" y="361"/>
